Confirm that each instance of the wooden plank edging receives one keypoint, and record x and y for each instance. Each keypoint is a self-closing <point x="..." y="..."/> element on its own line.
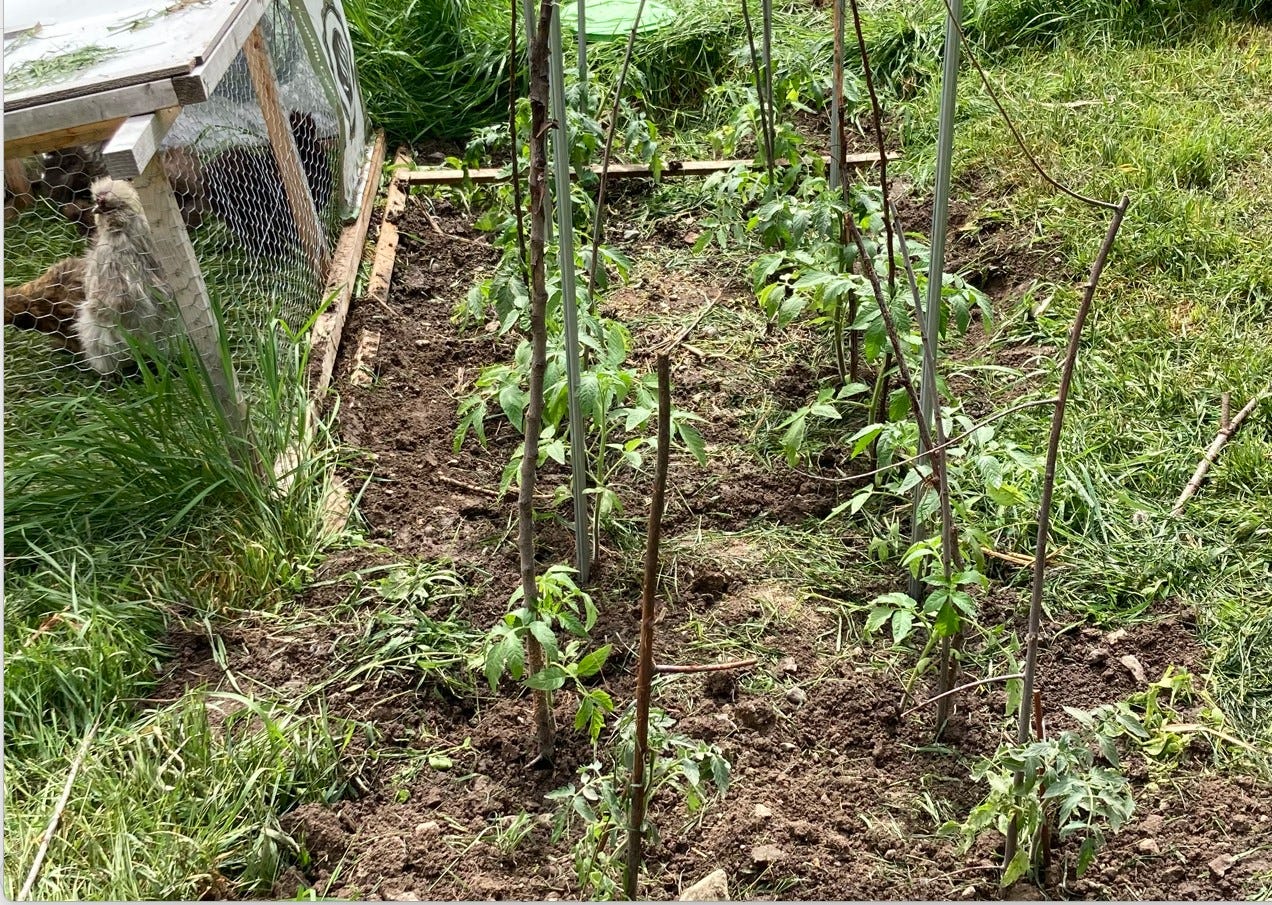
<point x="451" y="176"/>
<point x="387" y="240"/>
<point x="325" y="335"/>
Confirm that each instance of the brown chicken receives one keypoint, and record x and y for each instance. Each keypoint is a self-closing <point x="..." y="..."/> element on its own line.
<point x="49" y="303"/>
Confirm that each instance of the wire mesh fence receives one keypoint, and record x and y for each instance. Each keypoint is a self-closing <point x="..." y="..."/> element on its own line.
<point x="101" y="273"/>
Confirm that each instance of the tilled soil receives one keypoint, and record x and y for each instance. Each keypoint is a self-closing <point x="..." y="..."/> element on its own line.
<point x="834" y="795"/>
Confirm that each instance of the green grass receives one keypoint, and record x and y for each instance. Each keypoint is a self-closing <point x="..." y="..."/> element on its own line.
<point x="1181" y="317"/>
<point x="126" y="511"/>
<point x="180" y="804"/>
<point x="431" y="68"/>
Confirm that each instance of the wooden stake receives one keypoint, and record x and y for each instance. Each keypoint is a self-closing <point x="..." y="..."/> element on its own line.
<point x="277" y="124"/>
<point x="386" y="241"/>
<point x="643" y="757"/>
<point x="1044" y="506"/>
<point x="545" y="726"/>
<point x="1225" y="434"/>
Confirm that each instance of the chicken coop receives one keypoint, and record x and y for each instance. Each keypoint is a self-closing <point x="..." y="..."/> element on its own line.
<point x="173" y="168"/>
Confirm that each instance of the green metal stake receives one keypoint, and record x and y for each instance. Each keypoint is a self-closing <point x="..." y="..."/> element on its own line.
<point x="569" y="303"/>
<point x="936" y="262"/>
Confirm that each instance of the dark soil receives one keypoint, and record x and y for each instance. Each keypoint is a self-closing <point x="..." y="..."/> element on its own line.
<point x="834" y="795"/>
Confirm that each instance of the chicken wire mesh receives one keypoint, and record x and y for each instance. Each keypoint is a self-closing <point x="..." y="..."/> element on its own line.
<point x="96" y="270"/>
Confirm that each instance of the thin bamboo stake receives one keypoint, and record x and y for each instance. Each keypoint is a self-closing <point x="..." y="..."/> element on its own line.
<point x="890" y="326"/>
<point x="645" y="670"/>
<point x="58" y="809"/>
<point x="949" y="541"/>
<point x="837" y="99"/>
<point x="766" y="141"/>
<point x="1226" y="431"/>
<point x="877" y="113"/>
<point x="545" y="726"/>
<point x="582" y="55"/>
<point x="766" y="49"/>
<point x="569" y="301"/>
<point x="1048" y="487"/>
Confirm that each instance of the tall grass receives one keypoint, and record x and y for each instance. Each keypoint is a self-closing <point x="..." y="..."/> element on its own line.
<point x="431" y="68"/>
<point x="905" y="38"/>
<point x="183" y="804"/>
<point x="127" y="511"/>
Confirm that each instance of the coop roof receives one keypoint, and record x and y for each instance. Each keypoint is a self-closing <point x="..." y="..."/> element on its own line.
<point x="61" y="49"/>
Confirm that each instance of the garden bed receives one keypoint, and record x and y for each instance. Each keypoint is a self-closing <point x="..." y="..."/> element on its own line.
<point x="833" y="796"/>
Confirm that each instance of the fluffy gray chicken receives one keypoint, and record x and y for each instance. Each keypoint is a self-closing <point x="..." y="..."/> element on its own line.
<point x="125" y="294"/>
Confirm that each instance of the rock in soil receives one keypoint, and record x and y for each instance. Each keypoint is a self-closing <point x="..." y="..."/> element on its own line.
<point x="767" y="854"/>
<point x="1132" y="663"/>
<point x="714" y="887"/>
<point x="1221" y="865"/>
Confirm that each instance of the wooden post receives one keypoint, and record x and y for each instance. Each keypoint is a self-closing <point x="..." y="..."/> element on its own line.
<point x="283" y="143"/>
<point x="15" y="176"/>
<point x="182" y="272"/>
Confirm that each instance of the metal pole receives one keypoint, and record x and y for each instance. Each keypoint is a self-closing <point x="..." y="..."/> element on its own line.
<point x="936" y="263"/>
<point x="569" y="304"/>
<point x="837" y="98"/>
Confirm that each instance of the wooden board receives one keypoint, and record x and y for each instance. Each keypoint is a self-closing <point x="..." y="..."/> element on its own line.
<point x="283" y="144"/>
<point x="42" y="128"/>
<point x="199" y="84"/>
<point x="62" y="138"/>
<point x="133" y="145"/>
<point x="139" y="41"/>
<point x="325" y="336"/>
<point x="451" y="176"/>
<point x="387" y="241"/>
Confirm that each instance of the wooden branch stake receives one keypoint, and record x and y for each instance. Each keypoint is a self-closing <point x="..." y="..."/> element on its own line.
<point x="645" y="670"/>
<point x="1212" y="453"/>
<point x="545" y="725"/>
<point x="56" y="817"/>
<point x="1048" y="487"/>
<point x="278" y="125"/>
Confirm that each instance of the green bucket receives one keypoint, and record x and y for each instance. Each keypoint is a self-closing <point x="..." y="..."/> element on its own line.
<point x="611" y="19"/>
